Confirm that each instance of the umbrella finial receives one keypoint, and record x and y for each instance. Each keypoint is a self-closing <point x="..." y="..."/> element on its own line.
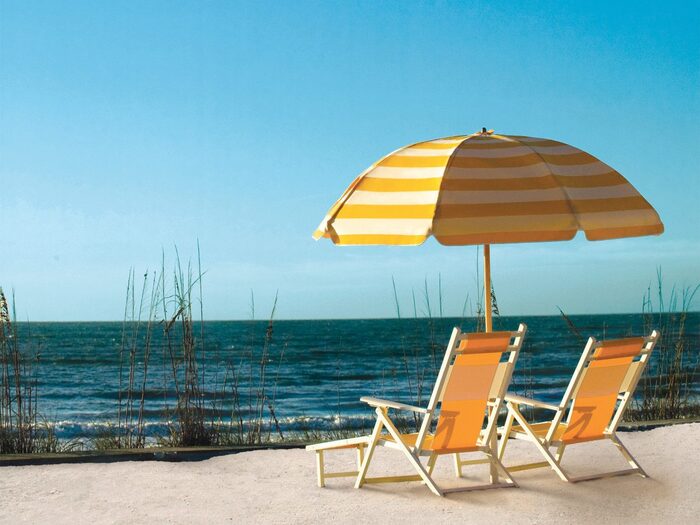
<point x="485" y="131"/>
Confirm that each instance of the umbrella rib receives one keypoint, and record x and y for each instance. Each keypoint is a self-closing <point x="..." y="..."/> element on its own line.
<point x="442" y="180"/>
<point x="563" y="190"/>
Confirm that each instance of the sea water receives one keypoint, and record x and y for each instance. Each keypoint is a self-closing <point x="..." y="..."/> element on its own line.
<point x="315" y="370"/>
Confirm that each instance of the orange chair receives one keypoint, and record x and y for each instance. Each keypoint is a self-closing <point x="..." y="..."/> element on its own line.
<point x="592" y="407"/>
<point x="470" y="388"/>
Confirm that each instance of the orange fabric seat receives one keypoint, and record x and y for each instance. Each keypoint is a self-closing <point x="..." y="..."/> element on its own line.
<point x="410" y="441"/>
<point x="541" y="429"/>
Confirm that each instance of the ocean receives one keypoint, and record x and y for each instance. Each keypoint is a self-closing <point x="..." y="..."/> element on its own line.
<point x="315" y="370"/>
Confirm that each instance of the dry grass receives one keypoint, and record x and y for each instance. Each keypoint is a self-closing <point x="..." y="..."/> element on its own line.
<point x="666" y="389"/>
<point x="166" y="317"/>
<point x="22" y="428"/>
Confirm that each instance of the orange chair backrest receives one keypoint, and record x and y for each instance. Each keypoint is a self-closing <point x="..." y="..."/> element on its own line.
<point x="467" y="389"/>
<point x="599" y="387"/>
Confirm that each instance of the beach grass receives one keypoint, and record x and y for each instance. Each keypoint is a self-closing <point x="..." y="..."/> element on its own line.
<point x="163" y="331"/>
<point x="165" y="313"/>
<point x="665" y="391"/>
<point x="23" y="430"/>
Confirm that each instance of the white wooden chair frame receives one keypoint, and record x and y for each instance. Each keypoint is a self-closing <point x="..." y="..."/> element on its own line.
<point x="544" y="443"/>
<point x="487" y="441"/>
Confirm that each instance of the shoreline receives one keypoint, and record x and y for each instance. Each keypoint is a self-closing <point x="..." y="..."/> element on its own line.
<point x="201" y="453"/>
<point x="279" y="486"/>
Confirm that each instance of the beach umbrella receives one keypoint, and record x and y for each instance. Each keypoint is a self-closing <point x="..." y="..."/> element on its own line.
<point x="487" y="188"/>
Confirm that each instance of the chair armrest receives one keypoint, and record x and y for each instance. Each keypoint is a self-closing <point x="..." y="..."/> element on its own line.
<point x="520" y="400"/>
<point x="376" y="402"/>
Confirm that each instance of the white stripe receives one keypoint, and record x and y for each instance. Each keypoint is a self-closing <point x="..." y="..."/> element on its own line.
<point x="517" y="151"/>
<point x="454" y="141"/>
<point x="421" y="152"/>
<point x="389" y="172"/>
<point x="562" y="149"/>
<point x="594" y="168"/>
<point x="382" y="226"/>
<point x="493" y="197"/>
<point x="602" y="192"/>
<point x="522" y="172"/>
<point x="393" y="197"/>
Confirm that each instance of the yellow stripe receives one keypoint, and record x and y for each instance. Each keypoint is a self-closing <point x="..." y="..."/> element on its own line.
<point x="506" y="237"/>
<point x="454" y="211"/>
<point x="437" y="161"/>
<point x="602" y="234"/>
<point x="380" y="184"/>
<point x="569" y="159"/>
<point x="611" y="178"/>
<point x="476" y="145"/>
<point x="533" y="183"/>
<point x="534" y="141"/>
<point x="618" y="219"/>
<point x="389" y="211"/>
<point x="463" y="184"/>
<point x="459" y="211"/>
<point x="400" y="240"/>
<point x="473" y="225"/>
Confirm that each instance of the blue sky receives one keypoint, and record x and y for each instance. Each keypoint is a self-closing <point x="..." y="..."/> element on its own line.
<point x="128" y="127"/>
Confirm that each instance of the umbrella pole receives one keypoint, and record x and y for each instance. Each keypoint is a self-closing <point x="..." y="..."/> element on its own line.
<point x="487" y="287"/>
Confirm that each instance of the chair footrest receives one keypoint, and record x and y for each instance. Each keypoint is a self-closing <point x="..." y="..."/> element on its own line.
<point x="358" y="442"/>
<point x="349" y="474"/>
<point x="527" y="466"/>
<point x="463" y="463"/>
<point x="612" y="474"/>
<point x="502" y="485"/>
<point x="392" y="479"/>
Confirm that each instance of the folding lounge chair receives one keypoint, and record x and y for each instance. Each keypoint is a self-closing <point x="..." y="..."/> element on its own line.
<point x="591" y="409"/>
<point x="470" y="387"/>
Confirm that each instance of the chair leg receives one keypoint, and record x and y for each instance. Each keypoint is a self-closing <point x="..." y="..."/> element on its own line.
<point x="415" y="461"/>
<point x="540" y="446"/>
<point x="320" y="472"/>
<point x="627" y="455"/>
<point x="560" y="452"/>
<point x="498" y="465"/>
<point x="360" y="456"/>
<point x="458" y="465"/>
<point x="362" y="471"/>
<point x="493" y="445"/>
<point x="505" y="435"/>
<point x="431" y="463"/>
<point x="636" y="469"/>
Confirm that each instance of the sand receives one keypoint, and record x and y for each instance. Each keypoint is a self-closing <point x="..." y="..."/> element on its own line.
<point x="278" y="486"/>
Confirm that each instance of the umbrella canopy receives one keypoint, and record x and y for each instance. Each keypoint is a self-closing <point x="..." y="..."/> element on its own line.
<point x="486" y="188"/>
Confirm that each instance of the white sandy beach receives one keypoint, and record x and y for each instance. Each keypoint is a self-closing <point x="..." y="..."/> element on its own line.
<point x="278" y="486"/>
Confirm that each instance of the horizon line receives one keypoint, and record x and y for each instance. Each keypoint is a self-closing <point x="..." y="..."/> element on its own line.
<point x="361" y="318"/>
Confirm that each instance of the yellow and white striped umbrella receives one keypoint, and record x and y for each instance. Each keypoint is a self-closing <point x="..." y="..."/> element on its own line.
<point x="486" y="189"/>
